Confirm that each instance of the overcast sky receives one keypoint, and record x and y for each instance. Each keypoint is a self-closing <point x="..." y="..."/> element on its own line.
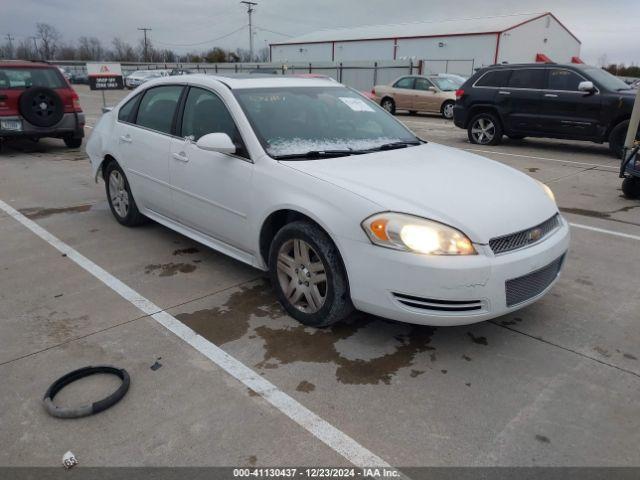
<point x="605" y="27"/>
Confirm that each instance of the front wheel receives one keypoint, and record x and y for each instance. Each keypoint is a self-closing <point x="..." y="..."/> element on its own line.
<point x="121" y="201"/>
<point x="631" y="187"/>
<point x="617" y="137"/>
<point x="447" y="110"/>
<point x="308" y="275"/>
<point x="485" y="129"/>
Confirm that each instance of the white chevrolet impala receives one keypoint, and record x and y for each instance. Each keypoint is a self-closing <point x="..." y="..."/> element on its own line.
<point x="341" y="204"/>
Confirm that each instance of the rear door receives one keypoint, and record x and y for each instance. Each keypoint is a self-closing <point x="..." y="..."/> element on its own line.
<point x="519" y="101"/>
<point x="565" y="110"/>
<point x="403" y="93"/>
<point x="426" y="98"/>
<point x="145" y="146"/>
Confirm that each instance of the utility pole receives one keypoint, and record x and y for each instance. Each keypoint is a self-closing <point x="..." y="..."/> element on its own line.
<point x="145" y="30"/>
<point x="10" y="41"/>
<point x="250" y="9"/>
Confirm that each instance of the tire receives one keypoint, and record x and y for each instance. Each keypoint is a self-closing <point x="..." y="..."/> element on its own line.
<point x="314" y="310"/>
<point x="389" y="105"/>
<point x="489" y="134"/>
<point x="73" y="142"/>
<point x="41" y="106"/>
<point x="631" y="187"/>
<point x="617" y="137"/>
<point x="447" y="110"/>
<point x="115" y="177"/>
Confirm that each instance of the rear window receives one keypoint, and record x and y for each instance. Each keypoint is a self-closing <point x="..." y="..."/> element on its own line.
<point x="20" y="78"/>
<point x="527" y="78"/>
<point x="494" y="78"/>
<point x="406" y="82"/>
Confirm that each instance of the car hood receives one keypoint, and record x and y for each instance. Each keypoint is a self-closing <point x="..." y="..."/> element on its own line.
<point x="480" y="197"/>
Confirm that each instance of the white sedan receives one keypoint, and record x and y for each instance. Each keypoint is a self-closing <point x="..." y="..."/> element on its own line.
<point x="343" y="205"/>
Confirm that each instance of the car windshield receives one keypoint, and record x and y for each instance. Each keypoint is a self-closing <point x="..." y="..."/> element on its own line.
<point x="446" y="84"/>
<point x="608" y="81"/>
<point x="18" y="78"/>
<point x="296" y="121"/>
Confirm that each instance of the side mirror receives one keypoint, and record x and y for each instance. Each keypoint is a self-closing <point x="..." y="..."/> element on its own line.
<point x="587" y="87"/>
<point x="216" y="142"/>
<point x="432" y="89"/>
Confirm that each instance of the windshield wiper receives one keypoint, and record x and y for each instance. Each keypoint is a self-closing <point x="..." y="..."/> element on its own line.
<point x="391" y="146"/>
<point x="314" y="154"/>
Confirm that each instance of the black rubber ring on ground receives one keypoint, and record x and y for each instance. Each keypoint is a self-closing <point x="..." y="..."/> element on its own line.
<point x="91" y="409"/>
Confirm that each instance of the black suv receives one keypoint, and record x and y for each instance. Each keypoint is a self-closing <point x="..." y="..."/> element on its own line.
<point x="576" y="102"/>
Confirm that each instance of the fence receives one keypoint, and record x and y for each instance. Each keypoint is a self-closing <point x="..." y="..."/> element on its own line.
<point x="359" y="75"/>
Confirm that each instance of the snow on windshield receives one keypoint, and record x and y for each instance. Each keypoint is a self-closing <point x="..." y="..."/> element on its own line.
<point x="293" y="146"/>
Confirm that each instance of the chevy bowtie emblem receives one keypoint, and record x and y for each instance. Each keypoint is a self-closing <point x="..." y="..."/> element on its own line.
<point x="535" y="235"/>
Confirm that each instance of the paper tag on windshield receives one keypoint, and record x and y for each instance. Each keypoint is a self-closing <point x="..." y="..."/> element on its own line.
<point x="356" y="104"/>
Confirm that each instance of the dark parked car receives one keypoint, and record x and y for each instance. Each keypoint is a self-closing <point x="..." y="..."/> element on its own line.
<point x="576" y="102"/>
<point x="36" y="101"/>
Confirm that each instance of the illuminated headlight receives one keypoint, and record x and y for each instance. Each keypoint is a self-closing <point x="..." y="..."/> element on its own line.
<point x="415" y="234"/>
<point x="548" y="191"/>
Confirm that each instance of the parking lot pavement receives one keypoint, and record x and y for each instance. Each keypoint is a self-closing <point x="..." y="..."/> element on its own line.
<point x="553" y="384"/>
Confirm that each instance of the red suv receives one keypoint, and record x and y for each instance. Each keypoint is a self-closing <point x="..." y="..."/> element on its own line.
<point x="36" y="101"/>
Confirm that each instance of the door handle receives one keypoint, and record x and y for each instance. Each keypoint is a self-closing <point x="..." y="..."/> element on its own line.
<point x="551" y="95"/>
<point x="125" y="139"/>
<point x="502" y="92"/>
<point x="181" y="157"/>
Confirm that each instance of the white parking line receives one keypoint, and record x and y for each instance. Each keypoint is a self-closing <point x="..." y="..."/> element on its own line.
<point x="608" y="232"/>
<point x="541" y="158"/>
<point x="317" y="426"/>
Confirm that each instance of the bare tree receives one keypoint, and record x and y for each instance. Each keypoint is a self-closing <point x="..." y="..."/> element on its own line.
<point x="25" y="50"/>
<point x="90" y="48"/>
<point x="66" y="51"/>
<point x="49" y="37"/>
<point x="122" y="51"/>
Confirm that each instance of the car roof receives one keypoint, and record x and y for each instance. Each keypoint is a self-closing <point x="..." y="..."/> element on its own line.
<point x="246" y="81"/>
<point x="23" y="64"/>
<point x="553" y="65"/>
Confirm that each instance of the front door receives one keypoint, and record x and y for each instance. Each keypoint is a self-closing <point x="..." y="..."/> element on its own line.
<point x="566" y="110"/>
<point x="426" y="98"/>
<point x="211" y="190"/>
<point x="145" y="146"/>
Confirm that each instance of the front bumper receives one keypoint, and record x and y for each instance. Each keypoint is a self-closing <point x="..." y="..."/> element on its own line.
<point x="71" y="123"/>
<point x="381" y="278"/>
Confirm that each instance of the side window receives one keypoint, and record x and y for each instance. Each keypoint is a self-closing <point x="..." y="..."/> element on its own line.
<point x="124" y="114"/>
<point x="560" y="79"/>
<point x="495" y="78"/>
<point x="204" y="113"/>
<point x="527" y="78"/>
<point x="406" y="82"/>
<point x="423" y="84"/>
<point x="158" y="107"/>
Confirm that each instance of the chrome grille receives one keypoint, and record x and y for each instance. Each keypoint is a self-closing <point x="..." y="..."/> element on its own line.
<point x="523" y="288"/>
<point x="524" y="238"/>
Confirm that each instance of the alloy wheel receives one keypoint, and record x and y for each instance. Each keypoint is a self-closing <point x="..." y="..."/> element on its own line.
<point x="387" y="105"/>
<point x="483" y="131"/>
<point x="447" y="111"/>
<point x="118" y="193"/>
<point x="302" y="276"/>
